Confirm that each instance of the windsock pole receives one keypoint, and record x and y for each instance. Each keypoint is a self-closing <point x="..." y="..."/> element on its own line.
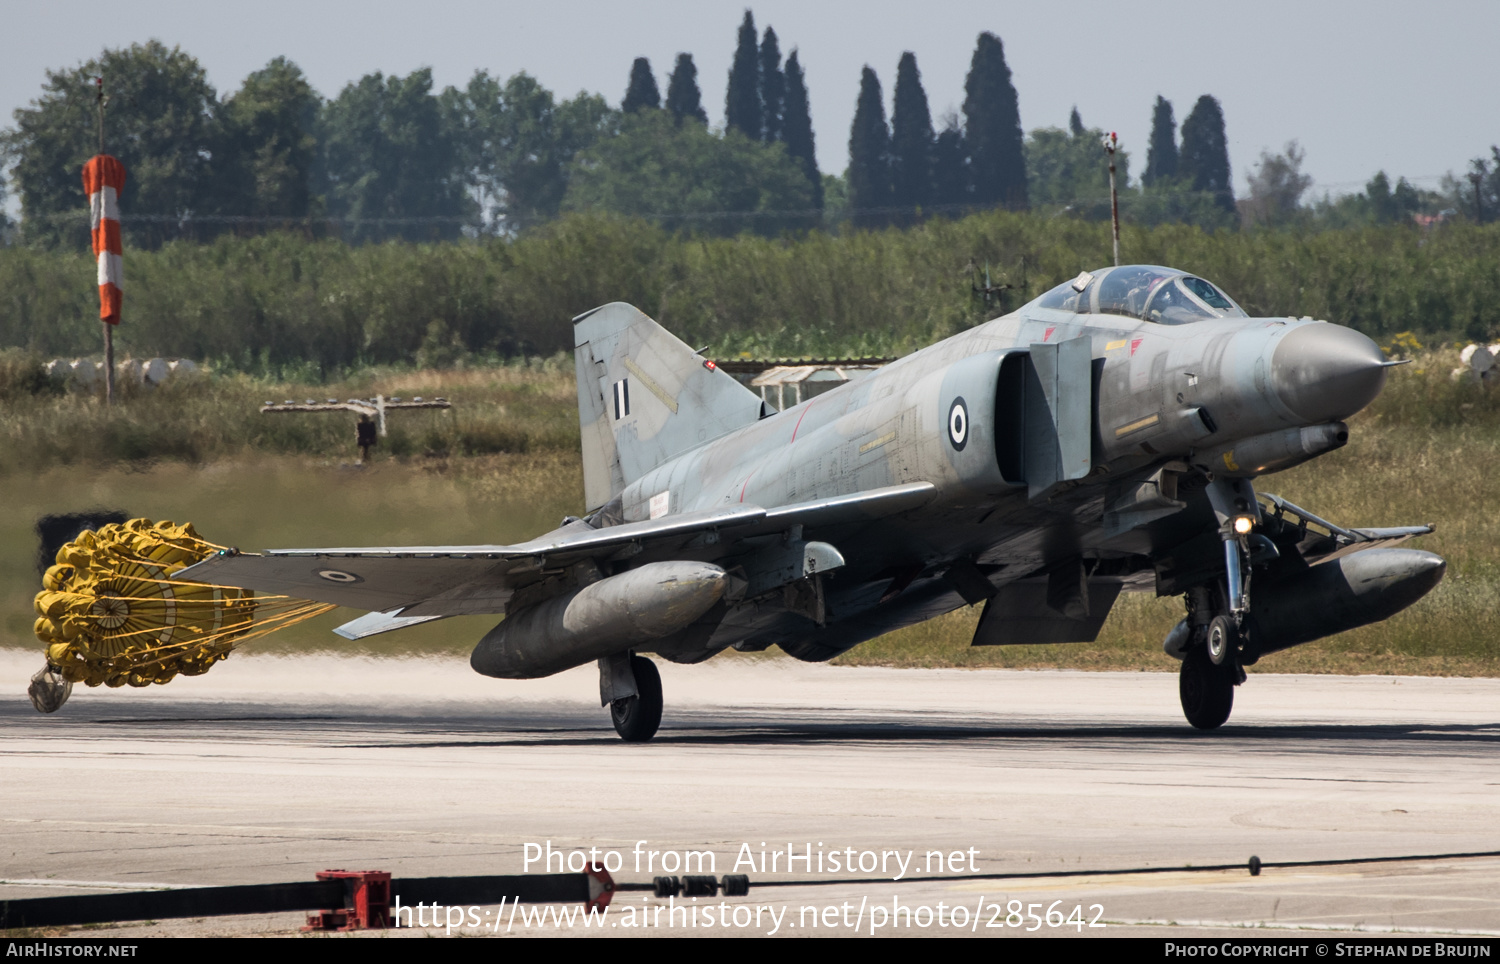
<point x="104" y="180"/>
<point x="109" y="330"/>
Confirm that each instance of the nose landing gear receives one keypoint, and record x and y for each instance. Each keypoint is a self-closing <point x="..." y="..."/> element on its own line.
<point x="1212" y="665"/>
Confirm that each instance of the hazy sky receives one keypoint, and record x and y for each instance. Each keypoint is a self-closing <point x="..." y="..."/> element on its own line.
<point x="1405" y="87"/>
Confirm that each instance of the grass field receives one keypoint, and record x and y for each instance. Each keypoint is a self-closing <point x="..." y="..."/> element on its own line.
<point x="503" y="466"/>
<point x="523" y="407"/>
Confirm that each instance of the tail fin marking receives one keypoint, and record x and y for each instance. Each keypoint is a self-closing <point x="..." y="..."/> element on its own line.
<point x="644" y="397"/>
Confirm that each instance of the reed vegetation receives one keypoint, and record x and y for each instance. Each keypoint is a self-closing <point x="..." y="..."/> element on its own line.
<point x="313" y="310"/>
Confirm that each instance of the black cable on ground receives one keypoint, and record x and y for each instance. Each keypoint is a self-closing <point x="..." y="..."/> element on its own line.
<point x="1254" y="865"/>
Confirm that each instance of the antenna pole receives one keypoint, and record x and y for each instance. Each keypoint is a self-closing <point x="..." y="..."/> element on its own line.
<point x="109" y="330"/>
<point x="1111" y="143"/>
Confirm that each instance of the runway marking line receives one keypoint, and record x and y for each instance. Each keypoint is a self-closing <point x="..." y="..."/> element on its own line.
<point x="255" y="832"/>
<point x="1281" y="926"/>
<point x="94" y="884"/>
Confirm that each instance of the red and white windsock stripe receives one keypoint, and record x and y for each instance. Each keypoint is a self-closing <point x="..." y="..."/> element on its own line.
<point x="103" y="180"/>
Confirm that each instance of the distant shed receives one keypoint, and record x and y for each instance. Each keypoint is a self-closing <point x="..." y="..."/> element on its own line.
<point x="787" y="382"/>
<point x="787" y="385"/>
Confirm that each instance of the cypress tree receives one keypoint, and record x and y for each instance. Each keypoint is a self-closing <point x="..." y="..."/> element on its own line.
<point x="642" y="91"/>
<point x="997" y="166"/>
<point x="772" y="88"/>
<point x="911" y="138"/>
<point x="1075" y="122"/>
<point x="742" y="100"/>
<point x="1161" y="154"/>
<point x="683" y="97"/>
<point x="869" y="154"/>
<point x="1204" y="160"/>
<point x="950" y="170"/>
<point x="797" y="130"/>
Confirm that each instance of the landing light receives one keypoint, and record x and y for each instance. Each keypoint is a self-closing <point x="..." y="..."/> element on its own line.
<point x="1243" y="524"/>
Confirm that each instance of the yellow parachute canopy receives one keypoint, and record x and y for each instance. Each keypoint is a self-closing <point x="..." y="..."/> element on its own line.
<point x="111" y="612"/>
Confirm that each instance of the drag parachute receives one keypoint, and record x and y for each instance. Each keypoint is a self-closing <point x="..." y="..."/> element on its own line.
<point x="111" y="612"/>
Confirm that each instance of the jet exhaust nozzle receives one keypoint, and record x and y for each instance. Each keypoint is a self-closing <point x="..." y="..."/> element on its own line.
<point x="601" y="619"/>
<point x="1359" y="589"/>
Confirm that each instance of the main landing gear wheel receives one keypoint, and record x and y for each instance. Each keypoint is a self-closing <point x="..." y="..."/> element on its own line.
<point x="636" y="718"/>
<point x="1207" y="691"/>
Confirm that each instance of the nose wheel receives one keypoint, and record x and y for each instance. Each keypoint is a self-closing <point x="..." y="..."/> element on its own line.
<point x="637" y="717"/>
<point x="1206" y="689"/>
<point x="1223" y="640"/>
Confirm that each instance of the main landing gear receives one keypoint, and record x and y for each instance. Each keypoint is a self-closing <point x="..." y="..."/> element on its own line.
<point x="637" y="717"/>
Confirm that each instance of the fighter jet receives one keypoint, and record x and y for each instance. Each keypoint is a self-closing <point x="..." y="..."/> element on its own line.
<point x="1103" y="438"/>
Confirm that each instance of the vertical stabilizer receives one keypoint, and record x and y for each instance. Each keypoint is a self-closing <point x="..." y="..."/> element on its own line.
<point x="645" y="397"/>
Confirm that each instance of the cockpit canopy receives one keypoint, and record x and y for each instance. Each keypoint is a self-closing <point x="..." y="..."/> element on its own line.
<point x="1163" y="295"/>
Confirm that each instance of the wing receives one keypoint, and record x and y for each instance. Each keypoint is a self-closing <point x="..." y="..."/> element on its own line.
<point x="407" y="584"/>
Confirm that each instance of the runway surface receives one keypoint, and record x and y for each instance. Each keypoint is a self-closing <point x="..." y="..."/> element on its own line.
<point x="269" y="769"/>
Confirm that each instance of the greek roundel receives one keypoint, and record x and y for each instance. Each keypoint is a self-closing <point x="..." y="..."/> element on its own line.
<point x="958" y="424"/>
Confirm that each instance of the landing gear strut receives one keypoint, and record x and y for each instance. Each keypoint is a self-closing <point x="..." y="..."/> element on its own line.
<point x="637" y="717"/>
<point x="1212" y="663"/>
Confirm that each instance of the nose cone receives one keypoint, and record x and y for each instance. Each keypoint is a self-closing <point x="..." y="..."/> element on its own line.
<point x="1325" y="373"/>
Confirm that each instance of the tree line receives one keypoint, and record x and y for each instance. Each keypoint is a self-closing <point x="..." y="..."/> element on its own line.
<point x="391" y="157"/>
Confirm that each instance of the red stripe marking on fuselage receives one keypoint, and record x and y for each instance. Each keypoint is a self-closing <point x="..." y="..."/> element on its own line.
<point x="799" y="421"/>
<point x="794" y="438"/>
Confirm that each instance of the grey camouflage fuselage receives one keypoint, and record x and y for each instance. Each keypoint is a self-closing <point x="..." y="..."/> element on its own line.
<point x="1025" y="474"/>
<point x="1101" y="439"/>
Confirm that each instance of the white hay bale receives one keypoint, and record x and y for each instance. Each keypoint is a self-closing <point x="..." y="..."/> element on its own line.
<point x="184" y="368"/>
<point x="84" y="373"/>
<point x="155" y="371"/>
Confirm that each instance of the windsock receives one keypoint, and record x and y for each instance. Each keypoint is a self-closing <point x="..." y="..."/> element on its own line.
<point x="103" y="180"/>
